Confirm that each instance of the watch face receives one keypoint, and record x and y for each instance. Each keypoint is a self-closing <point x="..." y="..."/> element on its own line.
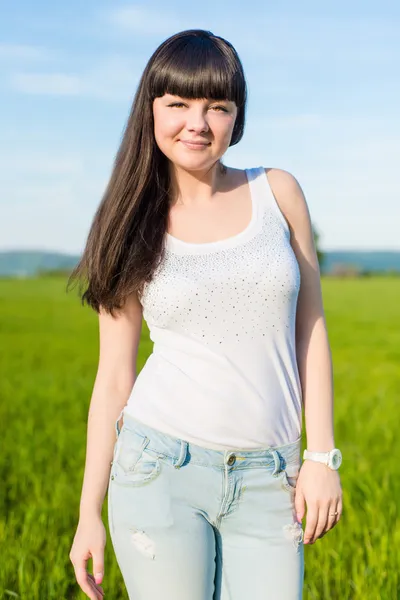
<point x="336" y="459"/>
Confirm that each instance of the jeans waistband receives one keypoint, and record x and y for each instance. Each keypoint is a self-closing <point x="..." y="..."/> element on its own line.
<point x="178" y="449"/>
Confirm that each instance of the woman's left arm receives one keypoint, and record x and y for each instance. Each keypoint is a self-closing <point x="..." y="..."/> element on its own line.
<point x="317" y="486"/>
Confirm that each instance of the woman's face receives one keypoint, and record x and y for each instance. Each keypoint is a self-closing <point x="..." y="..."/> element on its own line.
<point x="193" y="134"/>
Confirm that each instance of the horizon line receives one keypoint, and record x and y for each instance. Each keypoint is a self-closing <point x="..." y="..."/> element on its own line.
<point x="20" y="249"/>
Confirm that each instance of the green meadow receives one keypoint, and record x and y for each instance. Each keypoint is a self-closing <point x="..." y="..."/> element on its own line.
<point x="48" y="361"/>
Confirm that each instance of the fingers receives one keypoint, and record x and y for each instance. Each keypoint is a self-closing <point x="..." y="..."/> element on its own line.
<point x="300" y="505"/>
<point x="339" y="508"/>
<point x="97" y="588"/>
<point x="86" y="582"/>
<point x="89" y="542"/>
<point x="321" y="519"/>
<point x="322" y="523"/>
<point x="311" y="523"/>
<point x="336" y="513"/>
<point x="98" y="566"/>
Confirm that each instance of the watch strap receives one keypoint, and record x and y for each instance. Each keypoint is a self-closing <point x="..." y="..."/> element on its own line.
<point x="318" y="456"/>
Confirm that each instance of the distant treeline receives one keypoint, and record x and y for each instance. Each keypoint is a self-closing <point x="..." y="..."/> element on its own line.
<point x="335" y="263"/>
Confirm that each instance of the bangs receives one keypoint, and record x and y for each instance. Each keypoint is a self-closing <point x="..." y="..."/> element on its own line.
<point x="197" y="67"/>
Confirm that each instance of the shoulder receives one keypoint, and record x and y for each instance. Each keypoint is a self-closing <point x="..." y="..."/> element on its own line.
<point x="289" y="197"/>
<point x="292" y="203"/>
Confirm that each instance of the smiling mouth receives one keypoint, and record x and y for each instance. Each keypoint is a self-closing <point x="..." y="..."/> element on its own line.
<point x="195" y="145"/>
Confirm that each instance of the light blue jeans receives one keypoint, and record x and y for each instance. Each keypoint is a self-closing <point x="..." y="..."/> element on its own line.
<point x="192" y="523"/>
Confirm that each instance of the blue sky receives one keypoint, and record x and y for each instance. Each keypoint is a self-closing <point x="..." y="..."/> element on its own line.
<point x="324" y="104"/>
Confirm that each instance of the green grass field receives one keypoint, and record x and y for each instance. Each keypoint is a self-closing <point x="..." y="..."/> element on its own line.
<point x="48" y="360"/>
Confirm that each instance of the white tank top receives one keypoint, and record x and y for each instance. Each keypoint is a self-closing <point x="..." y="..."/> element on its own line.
<point x="223" y="371"/>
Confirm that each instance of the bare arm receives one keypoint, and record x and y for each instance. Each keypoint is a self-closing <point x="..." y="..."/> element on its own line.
<point x="318" y="487"/>
<point x="118" y="345"/>
<point x="312" y="345"/>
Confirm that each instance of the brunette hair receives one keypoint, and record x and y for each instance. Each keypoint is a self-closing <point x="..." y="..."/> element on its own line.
<point x="125" y="241"/>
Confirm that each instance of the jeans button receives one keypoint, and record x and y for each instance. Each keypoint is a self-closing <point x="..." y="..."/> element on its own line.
<point x="231" y="460"/>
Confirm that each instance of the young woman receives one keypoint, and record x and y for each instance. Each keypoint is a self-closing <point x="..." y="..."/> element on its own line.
<point x="207" y="490"/>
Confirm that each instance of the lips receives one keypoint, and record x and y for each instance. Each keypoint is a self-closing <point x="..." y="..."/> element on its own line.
<point x="195" y="144"/>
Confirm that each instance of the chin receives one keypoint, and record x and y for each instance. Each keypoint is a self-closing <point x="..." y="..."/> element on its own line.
<point x="193" y="163"/>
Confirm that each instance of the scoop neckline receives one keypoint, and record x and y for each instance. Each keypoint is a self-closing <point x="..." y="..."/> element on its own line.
<point x="176" y="244"/>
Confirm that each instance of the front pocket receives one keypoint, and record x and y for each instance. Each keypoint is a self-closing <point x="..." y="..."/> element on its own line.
<point x="288" y="482"/>
<point x="134" y="464"/>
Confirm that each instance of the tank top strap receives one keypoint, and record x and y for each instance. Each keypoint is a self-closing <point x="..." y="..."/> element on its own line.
<point x="262" y="194"/>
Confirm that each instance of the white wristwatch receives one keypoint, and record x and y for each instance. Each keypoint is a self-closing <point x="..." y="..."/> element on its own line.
<point x="332" y="459"/>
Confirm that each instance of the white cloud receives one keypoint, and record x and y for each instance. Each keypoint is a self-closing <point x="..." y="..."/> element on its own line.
<point x="37" y="198"/>
<point x="144" y="21"/>
<point x="290" y="121"/>
<point x="114" y="78"/>
<point x="22" y="52"/>
<point x="40" y="164"/>
<point x="312" y="40"/>
<point x="47" y="83"/>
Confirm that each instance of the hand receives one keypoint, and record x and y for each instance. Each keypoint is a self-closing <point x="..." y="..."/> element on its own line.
<point x="319" y="487"/>
<point x="89" y="541"/>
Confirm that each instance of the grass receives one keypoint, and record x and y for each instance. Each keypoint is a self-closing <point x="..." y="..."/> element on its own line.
<point x="48" y="360"/>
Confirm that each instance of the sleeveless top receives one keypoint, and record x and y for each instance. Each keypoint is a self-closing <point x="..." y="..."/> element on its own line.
<point x="221" y="315"/>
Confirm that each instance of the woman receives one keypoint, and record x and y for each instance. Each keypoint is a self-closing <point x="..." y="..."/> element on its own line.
<point x="207" y="491"/>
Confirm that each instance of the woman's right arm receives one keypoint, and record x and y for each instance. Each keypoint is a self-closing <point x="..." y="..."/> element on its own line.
<point x="116" y="373"/>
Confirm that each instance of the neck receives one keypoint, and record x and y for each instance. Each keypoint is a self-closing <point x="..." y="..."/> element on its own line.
<point x="191" y="186"/>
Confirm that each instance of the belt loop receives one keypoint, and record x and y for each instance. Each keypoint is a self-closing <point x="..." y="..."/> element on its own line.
<point x="182" y="454"/>
<point x="116" y="424"/>
<point x="277" y="461"/>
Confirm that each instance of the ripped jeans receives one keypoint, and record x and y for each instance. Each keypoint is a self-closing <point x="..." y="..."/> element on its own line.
<point x="192" y="523"/>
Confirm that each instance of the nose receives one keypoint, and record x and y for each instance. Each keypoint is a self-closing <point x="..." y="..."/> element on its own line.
<point x="197" y="120"/>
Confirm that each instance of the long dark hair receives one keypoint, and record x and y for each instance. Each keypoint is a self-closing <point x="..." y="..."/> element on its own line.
<point x="125" y="241"/>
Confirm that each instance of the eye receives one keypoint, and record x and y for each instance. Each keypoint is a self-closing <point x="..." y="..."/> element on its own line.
<point x="177" y="104"/>
<point x="219" y="108"/>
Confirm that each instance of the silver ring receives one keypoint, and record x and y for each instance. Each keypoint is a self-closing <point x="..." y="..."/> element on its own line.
<point x="334" y="514"/>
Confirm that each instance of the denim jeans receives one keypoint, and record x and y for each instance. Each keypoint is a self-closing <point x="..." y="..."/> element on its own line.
<point x="192" y="523"/>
